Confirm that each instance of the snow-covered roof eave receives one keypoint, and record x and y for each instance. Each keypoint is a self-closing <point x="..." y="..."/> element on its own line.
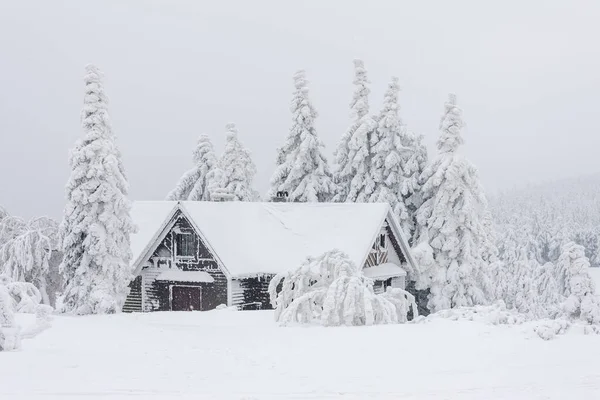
<point x="137" y="264"/>
<point x="410" y="260"/>
<point x="384" y="271"/>
<point x="176" y="275"/>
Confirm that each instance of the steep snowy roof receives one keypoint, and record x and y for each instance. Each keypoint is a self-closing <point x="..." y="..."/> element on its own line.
<point x="253" y="238"/>
<point x="177" y="275"/>
<point x="149" y="216"/>
<point x="384" y="271"/>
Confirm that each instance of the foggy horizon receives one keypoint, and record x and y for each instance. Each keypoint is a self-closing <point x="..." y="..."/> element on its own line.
<point x="174" y="71"/>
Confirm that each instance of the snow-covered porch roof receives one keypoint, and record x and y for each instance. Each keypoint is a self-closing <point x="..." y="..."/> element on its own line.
<point x="250" y="239"/>
<point x="384" y="271"/>
<point x="176" y="275"/>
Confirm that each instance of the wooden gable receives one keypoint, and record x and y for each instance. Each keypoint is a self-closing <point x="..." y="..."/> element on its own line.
<point x="385" y="248"/>
<point x="180" y="248"/>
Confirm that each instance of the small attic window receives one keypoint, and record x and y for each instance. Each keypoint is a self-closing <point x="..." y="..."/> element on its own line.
<point x="382" y="240"/>
<point x="185" y="244"/>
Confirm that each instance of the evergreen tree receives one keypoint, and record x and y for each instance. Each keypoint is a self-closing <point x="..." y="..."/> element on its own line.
<point x="347" y="154"/>
<point x="398" y="159"/>
<point x="96" y="228"/>
<point x="237" y="169"/>
<point x="452" y="220"/>
<point x="302" y="169"/>
<point x="194" y="184"/>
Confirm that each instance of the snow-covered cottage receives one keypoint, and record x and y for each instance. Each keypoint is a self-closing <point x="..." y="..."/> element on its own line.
<point x="198" y="255"/>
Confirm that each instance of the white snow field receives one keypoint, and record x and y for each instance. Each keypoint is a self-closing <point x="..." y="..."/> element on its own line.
<point x="225" y="354"/>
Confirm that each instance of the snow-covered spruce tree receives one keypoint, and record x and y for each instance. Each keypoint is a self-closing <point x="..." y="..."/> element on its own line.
<point x="195" y="183"/>
<point x="346" y="164"/>
<point x="34" y="257"/>
<point x="97" y="223"/>
<point x="331" y="290"/>
<point x="398" y="160"/>
<point x="452" y="222"/>
<point x="302" y="169"/>
<point x="572" y="267"/>
<point x="237" y="169"/>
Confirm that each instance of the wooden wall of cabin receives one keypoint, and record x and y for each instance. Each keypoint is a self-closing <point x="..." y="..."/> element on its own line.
<point x="133" y="303"/>
<point x="252" y="293"/>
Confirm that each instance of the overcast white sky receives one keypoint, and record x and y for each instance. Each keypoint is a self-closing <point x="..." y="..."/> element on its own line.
<point x="527" y="74"/>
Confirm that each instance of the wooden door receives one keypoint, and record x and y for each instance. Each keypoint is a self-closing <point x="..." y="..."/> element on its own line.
<point x="186" y="298"/>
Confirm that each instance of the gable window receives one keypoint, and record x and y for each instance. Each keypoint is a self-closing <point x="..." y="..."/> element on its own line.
<point x="382" y="240"/>
<point x="185" y="244"/>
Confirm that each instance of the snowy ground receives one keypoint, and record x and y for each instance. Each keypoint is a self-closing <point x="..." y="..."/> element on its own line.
<point x="243" y="355"/>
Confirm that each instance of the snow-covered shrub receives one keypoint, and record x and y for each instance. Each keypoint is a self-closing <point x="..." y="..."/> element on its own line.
<point x="331" y="290"/>
<point x="33" y="256"/>
<point x="494" y="314"/>
<point x="581" y="302"/>
<point x="9" y="339"/>
<point x="548" y="329"/>
<point x="20" y="297"/>
<point x="403" y="301"/>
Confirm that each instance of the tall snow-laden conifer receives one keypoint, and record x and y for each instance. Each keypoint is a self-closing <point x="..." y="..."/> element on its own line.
<point x="302" y="169"/>
<point x="195" y="184"/>
<point x="453" y="222"/>
<point x="398" y="159"/>
<point x="347" y="155"/>
<point x="96" y="228"/>
<point x="237" y="169"/>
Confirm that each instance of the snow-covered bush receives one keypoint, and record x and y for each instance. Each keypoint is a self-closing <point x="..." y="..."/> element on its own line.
<point x="403" y="301"/>
<point x="33" y="256"/>
<point x="331" y="290"/>
<point x="9" y="338"/>
<point x="20" y="297"/>
<point x="581" y="302"/>
<point x="494" y="314"/>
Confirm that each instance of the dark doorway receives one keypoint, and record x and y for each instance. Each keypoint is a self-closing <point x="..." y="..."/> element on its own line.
<point x="186" y="298"/>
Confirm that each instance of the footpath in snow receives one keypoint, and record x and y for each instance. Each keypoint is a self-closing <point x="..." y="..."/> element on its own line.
<point x="227" y="354"/>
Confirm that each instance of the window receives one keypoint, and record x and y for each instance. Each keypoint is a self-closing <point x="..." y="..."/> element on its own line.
<point x="185" y="244"/>
<point x="382" y="240"/>
<point x="387" y="283"/>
